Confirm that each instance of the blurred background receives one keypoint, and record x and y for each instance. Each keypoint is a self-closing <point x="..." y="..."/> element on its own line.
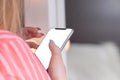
<point x="94" y="21"/>
<point x="93" y="51"/>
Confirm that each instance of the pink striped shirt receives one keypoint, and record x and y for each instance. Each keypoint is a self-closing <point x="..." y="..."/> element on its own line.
<point x="17" y="62"/>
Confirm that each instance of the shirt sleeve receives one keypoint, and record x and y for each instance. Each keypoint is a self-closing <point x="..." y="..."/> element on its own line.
<point x="17" y="61"/>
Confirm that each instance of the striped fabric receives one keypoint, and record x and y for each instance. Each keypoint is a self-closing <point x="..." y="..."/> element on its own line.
<point x="17" y="62"/>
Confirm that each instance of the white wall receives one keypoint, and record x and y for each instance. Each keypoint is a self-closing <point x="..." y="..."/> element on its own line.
<point x="56" y="13"/>
<point x="36" y="13"/>
<point x="45" y="13"/>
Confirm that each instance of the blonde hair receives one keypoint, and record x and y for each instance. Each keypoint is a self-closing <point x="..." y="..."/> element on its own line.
<point x="11" y="15"/>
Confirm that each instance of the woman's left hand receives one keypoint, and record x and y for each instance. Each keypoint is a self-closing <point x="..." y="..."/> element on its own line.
<point x="56" y="69"/>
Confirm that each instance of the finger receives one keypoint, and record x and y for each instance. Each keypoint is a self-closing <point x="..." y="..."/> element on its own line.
<point x="32" y="45"/>
<point x="31" y="29"/>
<point x="38" y="28"/>
<point x="54" y="48"/>
<point x="56" y="67"/>
<point x="32" y="32"/>
<point x="37" y="35"/>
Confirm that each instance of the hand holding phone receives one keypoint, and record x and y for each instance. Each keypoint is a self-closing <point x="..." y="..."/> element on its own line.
<point x="60" y="36"/>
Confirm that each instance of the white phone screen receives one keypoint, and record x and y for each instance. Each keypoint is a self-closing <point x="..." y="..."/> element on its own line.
<point x="59" y="36"/>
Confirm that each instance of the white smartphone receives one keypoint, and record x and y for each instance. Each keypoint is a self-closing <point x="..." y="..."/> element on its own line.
<point x="60" y="36"/>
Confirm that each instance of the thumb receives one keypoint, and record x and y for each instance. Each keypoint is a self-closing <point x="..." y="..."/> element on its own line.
<point x="55" y="50"/>
<point x="56" y="67"/>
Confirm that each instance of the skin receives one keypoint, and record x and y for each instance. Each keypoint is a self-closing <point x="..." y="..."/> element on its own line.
<point x="56" y="67"/>
<point x="31" y="32"/>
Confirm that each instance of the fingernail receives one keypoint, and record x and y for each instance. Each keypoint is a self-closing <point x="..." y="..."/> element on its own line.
<point x="51" y="41"/>
<point x="38" y="28"/>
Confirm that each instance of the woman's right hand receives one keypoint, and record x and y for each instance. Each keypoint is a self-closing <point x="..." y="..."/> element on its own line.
<point x="28" y="33"/>
<point x="32" y="32"/>
<point x="56" y="67"/>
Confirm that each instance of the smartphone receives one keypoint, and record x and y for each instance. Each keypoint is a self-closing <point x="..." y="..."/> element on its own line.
<point x="60" y="36"/>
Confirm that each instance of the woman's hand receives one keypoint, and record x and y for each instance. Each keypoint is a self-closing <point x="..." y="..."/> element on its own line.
<point x="56" y="67"/>
<point x="31" y="32"/>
